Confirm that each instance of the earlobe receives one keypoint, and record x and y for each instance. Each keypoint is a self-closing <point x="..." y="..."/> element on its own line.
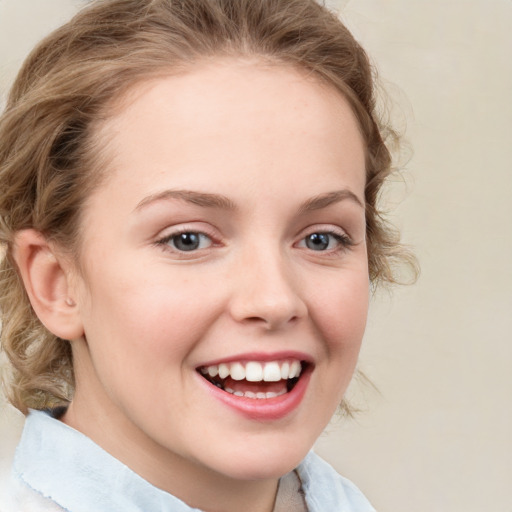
<point x="47" y="284"/>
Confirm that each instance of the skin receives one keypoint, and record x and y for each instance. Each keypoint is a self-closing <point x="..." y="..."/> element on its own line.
<point x="269" y="140"/>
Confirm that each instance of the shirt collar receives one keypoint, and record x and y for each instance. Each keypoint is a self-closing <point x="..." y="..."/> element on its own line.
<point x="65" y="466"/>
<point x="62" y="464"/>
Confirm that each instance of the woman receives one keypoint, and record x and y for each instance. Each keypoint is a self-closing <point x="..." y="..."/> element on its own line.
<point x="191" y="229"/>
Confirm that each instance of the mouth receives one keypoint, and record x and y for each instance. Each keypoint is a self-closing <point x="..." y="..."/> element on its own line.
<point x="255" y="380"/>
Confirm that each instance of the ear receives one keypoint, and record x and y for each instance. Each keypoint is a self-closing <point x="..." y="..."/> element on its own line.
<point x="46" y="278"/>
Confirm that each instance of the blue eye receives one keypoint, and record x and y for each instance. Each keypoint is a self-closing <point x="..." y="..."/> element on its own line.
<point x="318" y="241"/>
<point x="188" y="241"/>
<point x="324" y="241"/>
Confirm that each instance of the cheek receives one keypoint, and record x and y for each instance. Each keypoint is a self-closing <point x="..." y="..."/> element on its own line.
<point x="342" y="311"/>
<point x="146" y="319"/>
<point x="340" y="317"/>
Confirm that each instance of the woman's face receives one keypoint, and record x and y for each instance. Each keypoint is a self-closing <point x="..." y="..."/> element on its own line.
<point x="223" y="256"/>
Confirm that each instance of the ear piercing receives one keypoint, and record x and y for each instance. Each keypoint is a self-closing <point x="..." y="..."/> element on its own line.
<point x="70" y="302"/>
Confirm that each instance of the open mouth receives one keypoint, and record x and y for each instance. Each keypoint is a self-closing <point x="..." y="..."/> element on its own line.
<point x="255" y="380"/>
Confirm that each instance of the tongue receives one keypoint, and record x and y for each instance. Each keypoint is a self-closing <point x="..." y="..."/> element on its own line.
<point x="255" y="387"/>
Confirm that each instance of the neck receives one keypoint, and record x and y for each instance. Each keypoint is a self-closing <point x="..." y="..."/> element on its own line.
<point x="93" y="414"/>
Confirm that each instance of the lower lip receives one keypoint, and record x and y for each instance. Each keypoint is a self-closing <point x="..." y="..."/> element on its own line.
<point x="268" y="409"/>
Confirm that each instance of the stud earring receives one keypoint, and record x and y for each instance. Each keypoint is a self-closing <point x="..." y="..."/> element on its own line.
<point x="70" y="302"/>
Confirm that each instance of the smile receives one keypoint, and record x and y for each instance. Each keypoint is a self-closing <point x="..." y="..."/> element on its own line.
<point x="253" y="379"/>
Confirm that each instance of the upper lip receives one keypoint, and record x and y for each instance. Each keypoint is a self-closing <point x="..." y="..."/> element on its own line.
<point x="261" y="357"/>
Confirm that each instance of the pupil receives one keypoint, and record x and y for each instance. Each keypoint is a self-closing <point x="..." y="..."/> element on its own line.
<point x="317" y="241"/>
<point x="186" y="241"/>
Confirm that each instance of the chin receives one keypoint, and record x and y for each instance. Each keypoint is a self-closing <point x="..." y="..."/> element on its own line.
<point x="260" y="461"/>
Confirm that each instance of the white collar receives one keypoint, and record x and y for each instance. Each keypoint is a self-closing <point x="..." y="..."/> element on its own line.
<point x="67" y="467"/>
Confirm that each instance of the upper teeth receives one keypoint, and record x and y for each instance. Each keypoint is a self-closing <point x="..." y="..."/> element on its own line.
<point x="254" y="371"/>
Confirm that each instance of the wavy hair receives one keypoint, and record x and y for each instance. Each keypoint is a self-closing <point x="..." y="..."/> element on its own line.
<point x="50" y="157"/>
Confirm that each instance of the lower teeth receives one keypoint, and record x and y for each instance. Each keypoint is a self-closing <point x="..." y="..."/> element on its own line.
<point x="255" y="395"/>
<point x="249" y="394"/>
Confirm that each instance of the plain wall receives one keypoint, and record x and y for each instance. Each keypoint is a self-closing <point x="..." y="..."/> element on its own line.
<point x="438" y="434"/>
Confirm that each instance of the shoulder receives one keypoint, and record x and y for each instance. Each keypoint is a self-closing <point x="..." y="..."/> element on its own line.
<point x="325" y="489"/>
<point x="15" y="496"/>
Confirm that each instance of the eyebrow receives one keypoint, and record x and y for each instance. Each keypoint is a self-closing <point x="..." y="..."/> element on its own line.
<point x="325" y="200"/>
<point x="198" y="198"/>
<point x="207" y="200"/>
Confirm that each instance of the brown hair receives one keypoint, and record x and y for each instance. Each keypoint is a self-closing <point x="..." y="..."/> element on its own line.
<point x="49" y="155"/>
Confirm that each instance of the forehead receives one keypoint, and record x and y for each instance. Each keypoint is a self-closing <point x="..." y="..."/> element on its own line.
<point x="234" y="115"/>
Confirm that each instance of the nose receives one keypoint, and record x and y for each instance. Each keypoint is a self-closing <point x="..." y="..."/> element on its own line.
<point x="266" y="292"/>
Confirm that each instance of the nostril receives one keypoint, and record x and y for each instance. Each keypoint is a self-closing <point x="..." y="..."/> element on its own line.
<point x="269" y="299"/>
<point x="271" y="321"/>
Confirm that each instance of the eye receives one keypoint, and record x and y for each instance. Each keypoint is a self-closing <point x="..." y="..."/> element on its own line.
<point x="187" y="241"/>
<point x="325" y="241"/>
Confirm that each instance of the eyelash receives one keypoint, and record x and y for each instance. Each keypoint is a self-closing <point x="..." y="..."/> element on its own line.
<point x="343" y="240"/>
<point x="165" y="241"/>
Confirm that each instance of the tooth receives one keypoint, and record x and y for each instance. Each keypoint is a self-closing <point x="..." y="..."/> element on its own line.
<point x="204" y="370"/>
<point x="237" y="371"/>
<point x="250" y="394"/>
<point x="238" y="393"/>
<point x="294" y="369"/>
<point x="281" y="392"/>
<point x="253" y="372"/>
<point x="213" y="371"/>
<point x="229" y="390"/>
<point x="271" y="394"/>
<point x="285" y="370"/>
<point x="272" y="372"/>
<point x="223" y="370"/>
<point x="261" y="395"/>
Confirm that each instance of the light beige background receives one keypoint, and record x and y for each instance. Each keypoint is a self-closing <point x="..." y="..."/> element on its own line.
<point x="438" y="437"/>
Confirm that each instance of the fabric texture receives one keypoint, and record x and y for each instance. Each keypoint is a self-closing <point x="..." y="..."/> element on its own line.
<point x="56" y="469"/>
<point x="290" y="496"/>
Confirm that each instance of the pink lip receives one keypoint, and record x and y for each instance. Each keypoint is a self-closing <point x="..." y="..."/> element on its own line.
<point x="261" y="357"/>
<point x="267" y="409"/>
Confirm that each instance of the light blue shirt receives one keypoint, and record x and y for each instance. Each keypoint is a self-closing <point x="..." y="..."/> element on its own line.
<point x="57" y="468"/>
